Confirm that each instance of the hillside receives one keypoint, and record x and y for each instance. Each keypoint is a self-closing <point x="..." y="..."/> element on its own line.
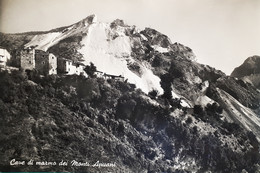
<point x="74" y="118"/>
<point x="171" y="114"/>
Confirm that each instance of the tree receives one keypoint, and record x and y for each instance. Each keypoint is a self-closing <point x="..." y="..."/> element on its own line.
<point x="90" y="70"/>
<point x="153" y="94"/>
<point x="166" y="80"/>
<point x="214" y="108"/>
<point x="198" y="109"/>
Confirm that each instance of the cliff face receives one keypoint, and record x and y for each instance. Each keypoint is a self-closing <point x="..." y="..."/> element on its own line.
<point x="171" y="114"/>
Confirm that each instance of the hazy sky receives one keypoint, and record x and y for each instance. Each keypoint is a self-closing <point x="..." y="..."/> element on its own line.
<point x="222" y="33"/>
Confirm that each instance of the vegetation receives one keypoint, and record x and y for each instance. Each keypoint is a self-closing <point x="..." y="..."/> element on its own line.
<point x="90" y="70"/>
<point x="166" y="80"/>
<point x="153" y="94"/>
<point x="64" y="117"/>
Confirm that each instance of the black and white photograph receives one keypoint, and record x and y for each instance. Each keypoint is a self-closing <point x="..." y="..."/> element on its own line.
<point x="130" y="86"/>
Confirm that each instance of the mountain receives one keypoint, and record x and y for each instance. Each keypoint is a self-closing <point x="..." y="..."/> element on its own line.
<point x="114" y="48"/>
<point x="249" y="71"/>
<point x="172" y="114"/>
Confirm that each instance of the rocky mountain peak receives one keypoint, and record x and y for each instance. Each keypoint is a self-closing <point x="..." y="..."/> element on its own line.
<point x="90" y="19"/>
<point x="249" y="71"/>
<point x="118" y="22"/>
<point x="84" y="22"/>
<point x="250" y="66"/>
<point x="156" y="37"/>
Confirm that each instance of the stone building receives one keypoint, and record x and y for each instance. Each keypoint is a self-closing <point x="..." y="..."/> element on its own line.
<point x="104" y="75"/>
<point x="66" y="66"/>
<point x="45" y="63"/>
<point x="27" y="59"/>
<point x="109" y="76"/>
<point x="4" y="57"/>
<point x="79" y="68"/>
<point x="100" y="74"/>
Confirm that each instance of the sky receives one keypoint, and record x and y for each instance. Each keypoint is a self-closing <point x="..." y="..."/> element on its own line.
<point x="222" y="33"/>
